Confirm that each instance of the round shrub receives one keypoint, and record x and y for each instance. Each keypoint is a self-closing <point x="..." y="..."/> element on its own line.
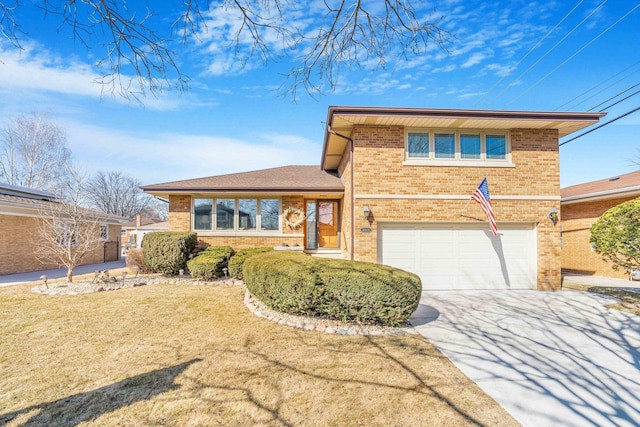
<point x="366" y="292"/>
<point x="210" y="263"/>
<point x="296" y="283"/>
<point x="283" y="280"/>
<point x="237" y="261"/>
<point x="167" y="252"/>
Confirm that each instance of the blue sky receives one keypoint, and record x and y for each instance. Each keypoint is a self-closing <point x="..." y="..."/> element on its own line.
<point x="504" y="55"/>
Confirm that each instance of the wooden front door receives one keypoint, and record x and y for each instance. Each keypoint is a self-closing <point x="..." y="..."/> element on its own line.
<point x="328" y="223"/>
<point x="322" y="228"/>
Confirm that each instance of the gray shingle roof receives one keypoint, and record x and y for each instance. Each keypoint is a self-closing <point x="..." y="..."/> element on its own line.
<point x="629" y="182"/>
<point x="285" y="178"/>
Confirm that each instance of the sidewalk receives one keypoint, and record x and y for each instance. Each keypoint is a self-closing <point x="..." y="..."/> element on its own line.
<point x="32" y="276"/>
<point x="571" y="279"/>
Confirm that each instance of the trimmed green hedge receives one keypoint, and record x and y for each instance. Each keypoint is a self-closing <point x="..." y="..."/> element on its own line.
<point x="237" y="261"/>
<point x="296" y="283"/>
<point x="209" y="263"/>
<point x="167" y="252"/>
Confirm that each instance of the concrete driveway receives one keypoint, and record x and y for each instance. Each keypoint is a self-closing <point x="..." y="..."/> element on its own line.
<point x="550" y="359"/>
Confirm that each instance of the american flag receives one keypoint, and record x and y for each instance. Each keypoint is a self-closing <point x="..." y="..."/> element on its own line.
<point x="481" y="195"/>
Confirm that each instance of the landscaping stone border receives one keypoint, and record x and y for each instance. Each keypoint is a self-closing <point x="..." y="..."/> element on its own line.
<point x="318" y="324"/>
<point x="255" y="306"/>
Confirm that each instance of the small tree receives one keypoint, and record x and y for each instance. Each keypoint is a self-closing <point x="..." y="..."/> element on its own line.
<point x="68" y="232"/>
<point x="616" y="235"/>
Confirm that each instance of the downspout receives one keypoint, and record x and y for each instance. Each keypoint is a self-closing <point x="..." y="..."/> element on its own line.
<point x="353" y="218"/>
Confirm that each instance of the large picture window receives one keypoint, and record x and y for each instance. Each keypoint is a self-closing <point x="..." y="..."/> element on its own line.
<point x="269" y="214"/>
<point x="225" y="214"/>
<point x="249" y="215"/>
<point x="437" y="145"/>
<point x="202" y="211"/>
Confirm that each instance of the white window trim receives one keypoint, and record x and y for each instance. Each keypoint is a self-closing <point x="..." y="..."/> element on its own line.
<point x="236" y="231"/>
<point x="431" y="160"/>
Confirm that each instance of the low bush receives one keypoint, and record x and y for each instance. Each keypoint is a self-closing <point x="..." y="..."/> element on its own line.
<point x="210" y="263"/>
<point x="296" y="283"/>
<point x="237" y="261"/>
<point x="366" y="292"/>
<point x="135" y="259"/>
<point x="283" y="280"/>
<point x="167" y="252"/>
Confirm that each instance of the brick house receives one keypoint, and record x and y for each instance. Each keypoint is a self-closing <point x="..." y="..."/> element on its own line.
<point x="582" y="205"/>
<point x="134" y="231"/>
<point x="394" y="186"/>
<point x="20" y="216"/>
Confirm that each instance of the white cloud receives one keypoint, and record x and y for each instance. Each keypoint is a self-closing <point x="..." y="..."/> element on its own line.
<point x="500" y="70"/>
<point x="37" y="70"/>
<point x="174" y="156"/>
<point x="475" y="59"/>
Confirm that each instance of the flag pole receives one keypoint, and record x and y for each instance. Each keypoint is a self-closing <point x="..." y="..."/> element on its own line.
<point x="464" y="211"/>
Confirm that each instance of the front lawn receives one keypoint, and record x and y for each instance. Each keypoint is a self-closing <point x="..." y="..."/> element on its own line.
<point x="181" y="355"/>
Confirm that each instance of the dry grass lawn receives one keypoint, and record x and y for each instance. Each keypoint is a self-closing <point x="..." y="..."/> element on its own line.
<point x="629" y="301"/>
<point x="169" y="355"/>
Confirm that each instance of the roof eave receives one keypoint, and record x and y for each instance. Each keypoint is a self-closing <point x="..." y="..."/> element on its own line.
<point x="601" y="195"/>
<point x="551" y="117"/>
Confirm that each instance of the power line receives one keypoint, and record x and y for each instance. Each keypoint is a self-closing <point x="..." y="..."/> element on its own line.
<point x="599" y="126"/>
<point x="530" y="51"/>
<point x="613" y="97"/>
<point x="574" y="55"/>
<point x="549" y="51"/>
<point x="622" y="100"/>
<point x="597" y="85"/>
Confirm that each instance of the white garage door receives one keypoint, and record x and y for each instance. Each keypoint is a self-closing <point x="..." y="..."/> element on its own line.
<point x="462" y="256"/>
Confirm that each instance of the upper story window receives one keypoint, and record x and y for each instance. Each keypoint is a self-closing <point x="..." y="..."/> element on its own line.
<point x="236" y="214"/>
<point x="457" y="147"/>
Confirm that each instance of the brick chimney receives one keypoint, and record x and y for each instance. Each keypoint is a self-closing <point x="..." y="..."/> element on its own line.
<point x="138" y="220"/>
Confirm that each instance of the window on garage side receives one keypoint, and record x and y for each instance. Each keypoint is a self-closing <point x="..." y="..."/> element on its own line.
<point x="470" y="146"/>
<point x="496" y="146"/>
<point x="445" y="145"/>
<point x="456" y="146"/>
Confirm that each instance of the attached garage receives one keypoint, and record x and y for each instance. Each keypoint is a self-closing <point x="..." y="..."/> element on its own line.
<point x="451" y="256"/>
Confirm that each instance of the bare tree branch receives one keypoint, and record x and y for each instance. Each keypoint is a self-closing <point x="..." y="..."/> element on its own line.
<point x="116" y="193"/>
<point x="139" y="60"/>
<point x="33" y="153"/>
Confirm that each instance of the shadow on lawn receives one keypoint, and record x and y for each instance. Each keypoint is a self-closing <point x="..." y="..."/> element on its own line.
<point x="87" y="406"/>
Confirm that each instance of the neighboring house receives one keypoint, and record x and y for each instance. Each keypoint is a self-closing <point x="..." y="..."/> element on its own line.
<point x="21" y="210"/>
<point x="134" y="231"/>
<point x="394" y="186"/>
<point x="582" y="205"/>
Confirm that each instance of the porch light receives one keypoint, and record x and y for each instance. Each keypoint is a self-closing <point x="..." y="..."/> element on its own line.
<point x="553" y="215"/>
<point x="367" y="212"/>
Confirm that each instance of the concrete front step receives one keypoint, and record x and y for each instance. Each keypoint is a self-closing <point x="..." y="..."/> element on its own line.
<point x="326" y="254"/>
